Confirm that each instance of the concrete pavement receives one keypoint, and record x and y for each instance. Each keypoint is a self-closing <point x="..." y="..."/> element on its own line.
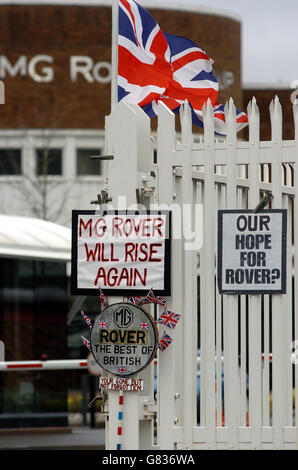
<point x="80" y="438"/>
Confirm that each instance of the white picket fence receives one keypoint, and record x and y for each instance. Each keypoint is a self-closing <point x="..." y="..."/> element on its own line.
<point x="244" y="341"/>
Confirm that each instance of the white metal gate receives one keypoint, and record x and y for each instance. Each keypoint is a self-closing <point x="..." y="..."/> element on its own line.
<point x="247" y="379"/>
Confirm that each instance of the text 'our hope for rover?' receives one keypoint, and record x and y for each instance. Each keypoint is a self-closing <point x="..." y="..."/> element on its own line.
<point x="120" y="251"/>
<point x="252" y="251"/>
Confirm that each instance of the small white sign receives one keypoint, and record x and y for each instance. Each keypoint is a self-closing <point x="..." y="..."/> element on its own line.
<point x="252" y="251"/>
<point x="121" y="252"/>
<point x="112" y="383"/>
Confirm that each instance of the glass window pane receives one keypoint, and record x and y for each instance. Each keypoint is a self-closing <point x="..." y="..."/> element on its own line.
<point x="33" y="306"/>
<point x="86" y="166"/>
<point x="49" y="161"/>
<point x="10" y="161"/>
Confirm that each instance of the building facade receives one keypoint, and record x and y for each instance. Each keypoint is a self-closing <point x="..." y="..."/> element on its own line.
<point x="56" y="65"/>
<point x="55" y="61"/>
<point x="264" y="94"/>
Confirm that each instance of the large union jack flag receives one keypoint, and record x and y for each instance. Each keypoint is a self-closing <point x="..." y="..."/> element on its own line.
<point x="154" y="66"/>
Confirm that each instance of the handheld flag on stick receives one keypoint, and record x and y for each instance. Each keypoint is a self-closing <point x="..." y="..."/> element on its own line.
<point x="86" y="342"/>
<point x="134" y="300"/>
<point x="149" y="299"/>
<point x="103" y="298"/>
<point x="154" y="66"/>
<point x="164" y="342"/>
<point x="87" y="319"/>
<point x="152" y="299"/>
<point x="169" y="319"/>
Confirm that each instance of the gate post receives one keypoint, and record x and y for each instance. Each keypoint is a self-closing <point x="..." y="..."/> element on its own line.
<point x="255" y="340"/>
<point x="170" y="361"/>
<point x="189" y="286"/>
<point x="231" y="384"/>
<point x="279" y="348"/>
<point x="128" y="140"/>
<point x="207" y="291"/>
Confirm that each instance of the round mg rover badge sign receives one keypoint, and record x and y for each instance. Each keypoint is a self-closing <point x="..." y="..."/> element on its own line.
<point x="124" y="339"/>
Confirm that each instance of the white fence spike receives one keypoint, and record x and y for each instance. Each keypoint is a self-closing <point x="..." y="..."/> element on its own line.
<point x="253" y="120"/>
<point x="208" y="121"/>
<point x="295" y="115"/>
<point x="186" y="123"/>
<point x="275" y="110"/>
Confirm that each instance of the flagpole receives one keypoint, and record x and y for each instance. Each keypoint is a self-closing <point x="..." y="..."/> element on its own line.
<point x="115" y="27"/>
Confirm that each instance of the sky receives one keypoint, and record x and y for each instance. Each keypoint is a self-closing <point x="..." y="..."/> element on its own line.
<point x="269" y="37"/>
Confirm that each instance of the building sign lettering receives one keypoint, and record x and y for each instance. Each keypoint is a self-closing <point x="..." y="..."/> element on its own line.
<point x="41" y="68"/>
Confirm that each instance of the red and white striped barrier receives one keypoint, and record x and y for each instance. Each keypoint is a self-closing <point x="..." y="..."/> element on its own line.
<point x="59" y="364"/>
<point x="44" y="365"/>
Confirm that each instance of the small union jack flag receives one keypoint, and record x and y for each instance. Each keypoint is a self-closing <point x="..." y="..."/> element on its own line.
<point x="102" y="324"/>
<point x="122" y="370"/>
<point x="134" y="300"/>
<point x="103" y="298"/>
<point x="152" y="299"/>
<point x="164" y="342"/>
<point x="169" y="319"/>
<point x="87" y="319"/>
<point x="144" y="325"/>
<point x="161" y="301"/>
<point x="86" y="342"/>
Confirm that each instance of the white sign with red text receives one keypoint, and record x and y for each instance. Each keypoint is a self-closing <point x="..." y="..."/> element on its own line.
<point x="121" y="252"/>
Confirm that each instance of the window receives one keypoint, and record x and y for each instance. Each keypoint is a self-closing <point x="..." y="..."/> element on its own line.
<point x="33" y="297"/>
<point x="86" y="166"/>
<point x="49" y="162"/>
<point x="10" y="161"/>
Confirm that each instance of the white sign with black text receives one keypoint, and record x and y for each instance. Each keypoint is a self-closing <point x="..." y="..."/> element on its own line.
<point x="252" y="251"/>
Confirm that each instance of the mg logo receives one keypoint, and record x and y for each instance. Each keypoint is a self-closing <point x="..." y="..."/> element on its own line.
<point x="123" y="317"/>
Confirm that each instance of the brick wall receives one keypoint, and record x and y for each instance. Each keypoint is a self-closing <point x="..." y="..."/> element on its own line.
<point x="264" y="98"/>
<point x="64" y="31"/>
